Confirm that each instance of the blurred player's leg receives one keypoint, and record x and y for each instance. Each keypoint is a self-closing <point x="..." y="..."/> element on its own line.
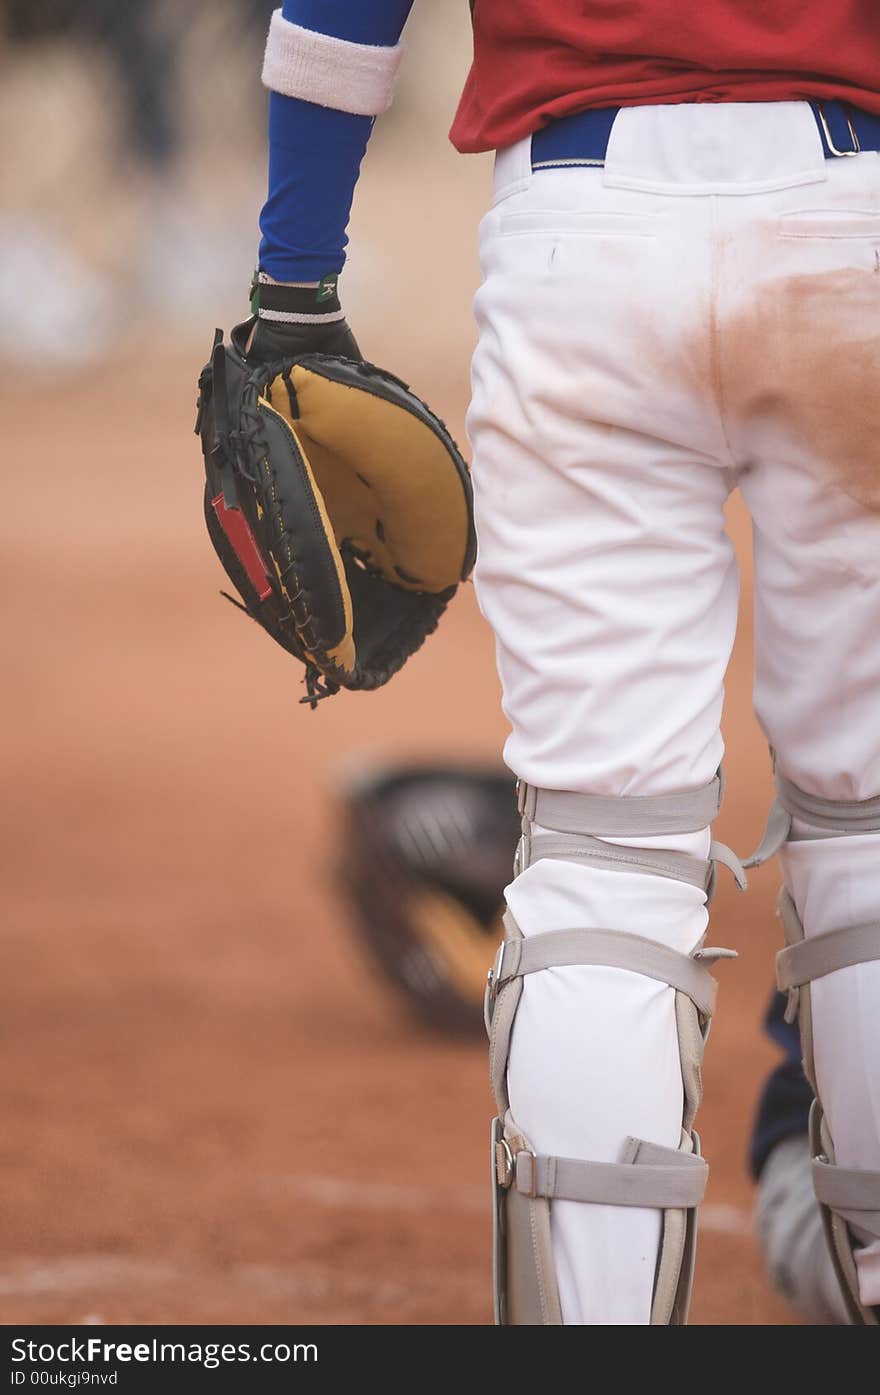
<point x="610" y="584"/>
<point x="815" y="500"/>
<point x="793" y="1243"/>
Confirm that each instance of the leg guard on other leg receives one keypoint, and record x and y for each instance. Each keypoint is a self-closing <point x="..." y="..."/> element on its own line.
<point x="647" y="1175"/>
<point x="849" y="1199"/>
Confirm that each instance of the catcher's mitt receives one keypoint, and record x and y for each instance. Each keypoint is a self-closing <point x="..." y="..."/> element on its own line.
<point x="338" y="504"/>
<point x="427" y="853"/>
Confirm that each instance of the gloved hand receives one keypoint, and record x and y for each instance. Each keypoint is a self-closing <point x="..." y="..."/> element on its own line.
<point x="337" y="501"/>
<point x="294" y="320"/>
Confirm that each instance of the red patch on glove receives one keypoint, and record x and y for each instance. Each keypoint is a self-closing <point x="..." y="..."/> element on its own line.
<point x="244" y="545"/>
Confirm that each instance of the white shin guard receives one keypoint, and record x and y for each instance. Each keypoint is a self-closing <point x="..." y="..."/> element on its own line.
<point x="526" y="1182"/>
<point x="849" y="1198"/>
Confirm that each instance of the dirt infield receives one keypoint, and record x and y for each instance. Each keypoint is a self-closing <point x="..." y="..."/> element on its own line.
<point x="213" y="1112"/>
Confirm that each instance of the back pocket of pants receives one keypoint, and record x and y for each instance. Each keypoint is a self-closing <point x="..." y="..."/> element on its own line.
<point x="831" y="223"/>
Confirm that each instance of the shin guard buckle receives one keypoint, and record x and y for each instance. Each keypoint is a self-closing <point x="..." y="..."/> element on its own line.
<point x="505" y="1165"/>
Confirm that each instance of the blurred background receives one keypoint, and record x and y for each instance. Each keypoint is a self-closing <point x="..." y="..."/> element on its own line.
<point x="215" y="1109"/>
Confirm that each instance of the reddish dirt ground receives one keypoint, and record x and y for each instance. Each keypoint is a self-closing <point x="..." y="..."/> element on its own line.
<point x="213" y="1112"/>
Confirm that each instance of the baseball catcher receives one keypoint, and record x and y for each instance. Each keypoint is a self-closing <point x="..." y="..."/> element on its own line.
<point x="679" y="298"/>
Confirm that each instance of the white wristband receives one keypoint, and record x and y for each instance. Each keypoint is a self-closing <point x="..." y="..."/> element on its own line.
<point x="331" y="72"/>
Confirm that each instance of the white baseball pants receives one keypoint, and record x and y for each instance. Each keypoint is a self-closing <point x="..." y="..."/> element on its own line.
<point x="702" y="313"/>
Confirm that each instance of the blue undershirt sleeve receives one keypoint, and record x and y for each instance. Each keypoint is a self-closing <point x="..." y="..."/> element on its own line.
<point x="315" y="152"/>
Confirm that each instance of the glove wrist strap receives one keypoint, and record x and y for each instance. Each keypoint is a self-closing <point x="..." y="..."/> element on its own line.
<point x="296" y="304"/>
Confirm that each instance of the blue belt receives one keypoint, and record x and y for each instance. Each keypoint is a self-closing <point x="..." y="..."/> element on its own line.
<point x="582" y="139"/>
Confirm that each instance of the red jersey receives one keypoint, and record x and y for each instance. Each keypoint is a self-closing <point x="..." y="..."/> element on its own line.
<point x="538" y="59"/>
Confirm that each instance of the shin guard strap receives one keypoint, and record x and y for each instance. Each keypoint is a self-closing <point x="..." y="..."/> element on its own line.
<point x="649" y="1176"/>
<point x="586" y="850"/>
<point x="852" y="1194"/>
<point x="615" y="949"/>
<point x="808" y="959"/>
<point x="621" y="816"/>
<point x="833" y="818"/>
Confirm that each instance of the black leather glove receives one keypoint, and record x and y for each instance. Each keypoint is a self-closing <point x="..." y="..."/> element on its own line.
<point x="294" y="320"/>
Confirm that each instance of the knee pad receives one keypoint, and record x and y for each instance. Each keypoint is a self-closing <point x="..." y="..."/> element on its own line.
<point x="848" y="1198"/>
<point x="673" y="1180"/>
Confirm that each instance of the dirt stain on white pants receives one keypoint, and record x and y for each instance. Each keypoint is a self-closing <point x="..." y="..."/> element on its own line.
<point x="799" y="375"/>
